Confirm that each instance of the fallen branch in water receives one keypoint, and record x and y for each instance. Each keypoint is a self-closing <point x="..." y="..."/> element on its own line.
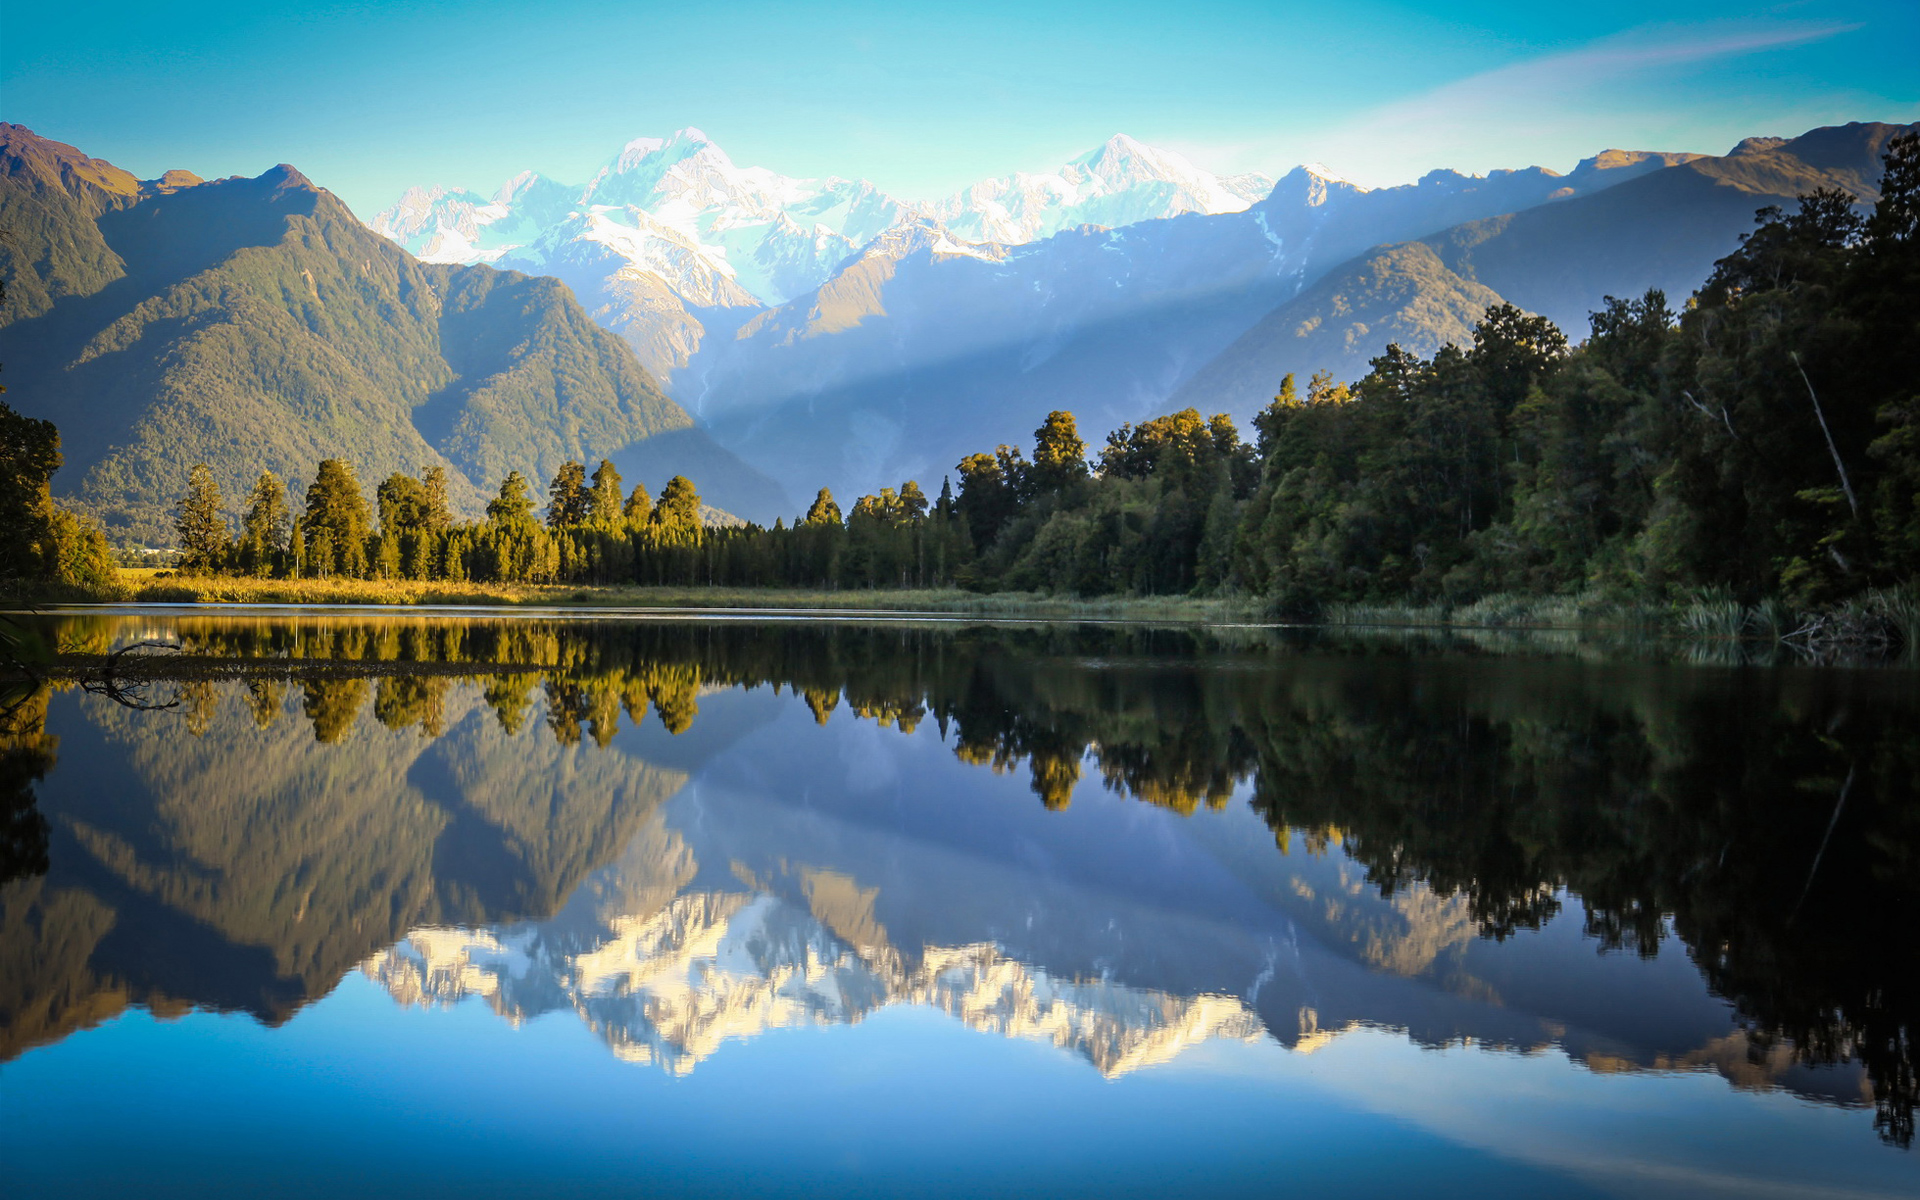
<point x="131" y="693"/>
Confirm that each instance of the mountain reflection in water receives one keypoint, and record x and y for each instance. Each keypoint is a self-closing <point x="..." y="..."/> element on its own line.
<point x="1646" y="866"/>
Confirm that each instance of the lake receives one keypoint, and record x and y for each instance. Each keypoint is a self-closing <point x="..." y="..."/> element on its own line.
<point x="316" y="903"/>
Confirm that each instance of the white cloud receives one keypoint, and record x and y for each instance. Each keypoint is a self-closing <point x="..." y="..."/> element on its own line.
<point x="1548" y="110"/>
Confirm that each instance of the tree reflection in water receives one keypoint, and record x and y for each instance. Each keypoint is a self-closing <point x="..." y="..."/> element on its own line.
<point x="1764" y="819"/>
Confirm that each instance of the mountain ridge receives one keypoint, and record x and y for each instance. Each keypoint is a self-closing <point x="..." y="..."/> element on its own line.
<point x="952" y="353"/>
<point x="1663" y="229"/>
<point x="256" y="324"/>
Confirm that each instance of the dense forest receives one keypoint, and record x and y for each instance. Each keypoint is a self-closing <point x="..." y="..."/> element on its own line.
<point x="1760" y="446"/>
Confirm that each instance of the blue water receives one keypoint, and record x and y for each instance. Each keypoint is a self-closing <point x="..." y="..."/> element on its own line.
<point x="774" y="955"/>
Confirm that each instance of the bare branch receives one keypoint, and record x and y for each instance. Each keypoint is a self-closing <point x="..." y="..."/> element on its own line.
<point x="1846" y="485"/>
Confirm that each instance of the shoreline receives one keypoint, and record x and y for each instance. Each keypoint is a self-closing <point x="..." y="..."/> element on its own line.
<point x="1703" y="620"/>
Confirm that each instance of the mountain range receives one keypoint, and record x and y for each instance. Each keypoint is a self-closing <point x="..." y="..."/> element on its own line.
<point x="830" y="334"/>
<point x="768" y="335"/>
<point x="1664" y="229"/>
<point x="671" y="243"/>
<point x="256" y="324"/>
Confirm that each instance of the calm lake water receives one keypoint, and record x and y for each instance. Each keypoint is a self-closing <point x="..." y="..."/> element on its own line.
<point x="418" y="906"/>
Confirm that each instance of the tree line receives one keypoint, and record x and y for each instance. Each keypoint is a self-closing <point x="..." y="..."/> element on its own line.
<point x="1764" y="441"/>
<point x="592" y="531"/>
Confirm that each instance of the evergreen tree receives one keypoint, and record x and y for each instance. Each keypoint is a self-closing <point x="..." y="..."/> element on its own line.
<point x="438" y="515"/>
<point x="264" y="528"/>
<point x="29" y="455"/>
<point x="639" y="507"/>
<point x="990" y="488"/>
<point x="514" y="504"/>
<point x="913" y="501"/>
<point x="823" y="511"/>
<point x="199" y="523"/>
<point x="1059" y="454"/>
<point x="404" y="504"/>
<point x="336" y="521"/>
<point x="604" y="499"/>
<point x="568" y="502"/>
<point x="679" y="505"/>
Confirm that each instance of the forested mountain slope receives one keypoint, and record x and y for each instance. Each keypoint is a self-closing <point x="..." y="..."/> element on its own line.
<point x="255" y="324"/>
<point x="1561" y="260"/>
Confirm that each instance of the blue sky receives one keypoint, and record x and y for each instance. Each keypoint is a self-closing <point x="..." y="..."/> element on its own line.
<point x="368" y="98"/>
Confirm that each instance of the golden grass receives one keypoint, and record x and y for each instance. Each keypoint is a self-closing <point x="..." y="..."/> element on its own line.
<point x="151" y="586"/>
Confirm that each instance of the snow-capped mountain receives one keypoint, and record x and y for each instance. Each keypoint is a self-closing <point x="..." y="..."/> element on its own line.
<point x="671" y="987"/>
<point x="452" y="225"/>
<point x="670" y="236"/>
<point x="675" y="208"/>
<point x="1121" y="183"/>
<point x="779" y="237"/>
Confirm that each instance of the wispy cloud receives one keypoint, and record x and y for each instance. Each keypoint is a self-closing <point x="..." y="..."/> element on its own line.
<point x="1543" y="109"/>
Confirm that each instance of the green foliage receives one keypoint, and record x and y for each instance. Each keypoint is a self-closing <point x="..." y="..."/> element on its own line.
<point x="199" y="525"/>
<point x="679" y="505"/>
<point x="265" y="527"/>
<point x="568" y="502"/>
<point x="336" y="523"/>
<point x="604" y="499"/>
<point x="1059" y="454"/>
<point x="514" y="504"/>
<point x="403" y="504"/>
<point x="991" y="489"/>
<point x="29" y="455"/>
<point x="639" y="507"/>
<point x="823" y="511"/>
<point x="82" y="559"/>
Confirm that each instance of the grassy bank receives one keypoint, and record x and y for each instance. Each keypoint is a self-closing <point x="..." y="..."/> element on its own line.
<point x="1886" y="617"/>
<point x="143" y="586"/>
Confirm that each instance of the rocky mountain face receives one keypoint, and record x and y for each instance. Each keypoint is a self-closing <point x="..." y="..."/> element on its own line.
<point x="256" y="324"/>
<point x="1664" y="229"/>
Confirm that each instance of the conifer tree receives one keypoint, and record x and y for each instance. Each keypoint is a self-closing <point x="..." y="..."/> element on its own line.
<point x="679" y="505"/>
<point x="264" y="528"/>
<point x="1059" y="454"/>
<point x="337" y="521"/>
<point x="639" y="506"/>
<point x="29" y="455"/>
<point x="434" y="483"/>
<point x="567" y="500"/>
<point x="514" y="504"/>
<point x="604" y="498"/>
<point x="403" y="503"/>
<point x="823" y="512"/>
<point x="199" y="524"/>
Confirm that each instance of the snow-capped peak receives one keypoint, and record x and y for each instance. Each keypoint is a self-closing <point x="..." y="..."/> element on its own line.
<point x="681" y="144"/>
<point x="778" y="237"/>
<point x="1120" y="182"/>
<point x="1323" y="171"/>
